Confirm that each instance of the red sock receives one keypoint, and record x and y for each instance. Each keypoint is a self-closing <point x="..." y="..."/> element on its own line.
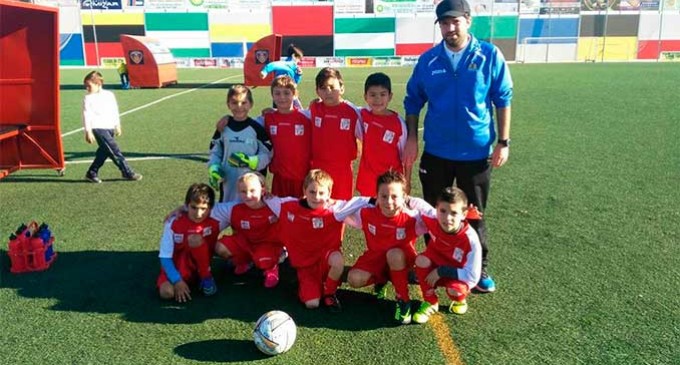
<point x="201" y="255"/>
<point x="400" y="281"/>
<point x="330" y="286"/>
<point x="428" y="291"/>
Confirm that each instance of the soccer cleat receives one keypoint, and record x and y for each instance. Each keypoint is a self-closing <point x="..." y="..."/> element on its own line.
<point x="486" y="283"/>
<point x="132" y="176"/>
<point x="458" y="307"/>
<point x="380" y="291"/>
<point x="241" y="269"/>
<point x="403" y="312"/>
<point x="426" y="310"/>
<point x="93" y="178"/>
<point x="208" y="286"/>
<point x="271" y="277"/>
<point x="332" y="303"/>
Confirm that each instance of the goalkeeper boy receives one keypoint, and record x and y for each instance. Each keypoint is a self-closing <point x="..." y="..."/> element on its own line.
<point x="242" y="146"/>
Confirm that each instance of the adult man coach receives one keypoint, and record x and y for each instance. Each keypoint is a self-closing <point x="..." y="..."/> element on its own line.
<point x="461" y="79"/>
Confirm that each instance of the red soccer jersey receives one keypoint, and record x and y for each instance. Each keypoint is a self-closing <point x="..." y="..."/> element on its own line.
<point x="335" y="130"/>
<point x="384" y="137"/>
<point x="383" y="233"/>
<point x="454" y="247"/>
<point x="291" y="136"/>
<point x="256" y="225"/>
<point x="174" y="242"/>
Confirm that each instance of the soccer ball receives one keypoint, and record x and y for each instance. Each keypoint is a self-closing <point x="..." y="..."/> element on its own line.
<point x="274" y="333"/>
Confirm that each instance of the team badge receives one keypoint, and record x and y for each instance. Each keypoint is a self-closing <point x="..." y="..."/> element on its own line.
<point x="136" y="57"/>
<point x="401" y="233"/>
<point x="317" y="122"/>
<point x="365" y="127"/>
<point x="388" y="137"/>
<point x="344" y="124"/>
<point x="290" y="216"/>
<point x="207" y="231"/>
<point x="371" y="228"/>
<point x="317" y="223"/>
<point x="245" y="225"/>
<point x="458" y="254"/>
<point x="273" y="129"/>
<point x="178" y="237"/>
<point x="472" y="67"/>
<point x="299" y="130"/>
<point x="272" y="219"/>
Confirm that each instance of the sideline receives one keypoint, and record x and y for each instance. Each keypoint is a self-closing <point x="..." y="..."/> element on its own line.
<point x="148" y="158"/>
<point x="157" y="101"/>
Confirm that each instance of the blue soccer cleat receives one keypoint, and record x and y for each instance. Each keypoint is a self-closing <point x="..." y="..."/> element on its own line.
<point x="486" y="283"/>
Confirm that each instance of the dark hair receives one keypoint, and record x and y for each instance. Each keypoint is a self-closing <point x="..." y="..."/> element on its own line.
<point x="200" y="192"/>
<point x="453" y="195"/>
<point x="294" y="51"/>
<point x="378" y="79"/>
<point x="238" y="90"/>
<point x="391" y="176"/>
<point x="327" y="73"/>
<point x="95" y="77"/>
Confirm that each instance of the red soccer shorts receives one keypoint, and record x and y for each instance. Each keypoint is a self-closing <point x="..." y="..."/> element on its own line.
<point x="282" y="186"/>
<point x="375" y="262"/>
<point x="186" y="267"/>
<point x="311" y="279"/>
<point x="263" y="255"/>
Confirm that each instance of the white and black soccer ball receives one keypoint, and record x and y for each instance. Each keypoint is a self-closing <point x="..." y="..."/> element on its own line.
<point x="274" y="333"/>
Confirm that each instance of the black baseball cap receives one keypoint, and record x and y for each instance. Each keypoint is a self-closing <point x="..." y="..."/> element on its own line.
<point x="453" y="8"/>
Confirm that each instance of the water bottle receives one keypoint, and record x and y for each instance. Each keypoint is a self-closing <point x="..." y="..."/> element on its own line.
<point x="46" y="235"/>
<point x="37" y="253"/>
<point x="16" y="254"/>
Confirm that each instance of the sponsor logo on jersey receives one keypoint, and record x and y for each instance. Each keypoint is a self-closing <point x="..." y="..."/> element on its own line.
<point x="371" y="228"/>
<point x="438" y="72"/>
<point x="458" y="254"/>
<point x="388" y="137"/>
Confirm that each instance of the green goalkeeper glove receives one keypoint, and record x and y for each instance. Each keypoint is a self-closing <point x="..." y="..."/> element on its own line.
<point x="214" y="175"/>
<point x="240" y="159"/>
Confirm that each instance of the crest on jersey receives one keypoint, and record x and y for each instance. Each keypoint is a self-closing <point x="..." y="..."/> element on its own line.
<point x="388" y="137"/>
<point x="273" y="129"/>
<point x="365" y="127"/>
<point x="272" y="219"/>
<point x="317" y="122"/>
<point x="317" y="223"/>
<point x="178" y="237"/>
<point x="290" y="216"/>
<point x="401" y="233"/>
<point x="245" y="225"/>
<point x="299" y="130"/>
<point x="207" y="231"/>
<point x="371" y="228"/>
<point x="458" y="254"/>
<point x="344" y="124"/>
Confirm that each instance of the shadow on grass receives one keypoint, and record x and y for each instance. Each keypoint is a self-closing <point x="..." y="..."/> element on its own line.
<point x="220" y="351"/>
<point x="124" y="283"/>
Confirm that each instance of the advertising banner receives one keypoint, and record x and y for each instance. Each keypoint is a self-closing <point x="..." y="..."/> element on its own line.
<point x="101" y="4"/>
<point x="330" y="62"/>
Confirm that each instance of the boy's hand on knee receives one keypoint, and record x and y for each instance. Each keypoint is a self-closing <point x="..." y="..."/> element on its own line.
<point x="182" y="291"/>
<point x="432" y="278"/>
<point x="117" y="131"/>
<point x="240" y="159"/>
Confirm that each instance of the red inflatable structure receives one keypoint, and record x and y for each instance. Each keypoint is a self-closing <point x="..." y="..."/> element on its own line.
<point x="30" y="136"/>
<point x="149" y="63"/>
<point x="265" y="50"/>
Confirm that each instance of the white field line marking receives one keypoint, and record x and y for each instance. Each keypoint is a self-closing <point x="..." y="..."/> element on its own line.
<point x="156" y="102"/>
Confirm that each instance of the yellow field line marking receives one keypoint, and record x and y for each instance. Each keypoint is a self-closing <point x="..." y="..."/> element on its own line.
<point x="442" y="333"/>
<point x="446" y="345"/>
